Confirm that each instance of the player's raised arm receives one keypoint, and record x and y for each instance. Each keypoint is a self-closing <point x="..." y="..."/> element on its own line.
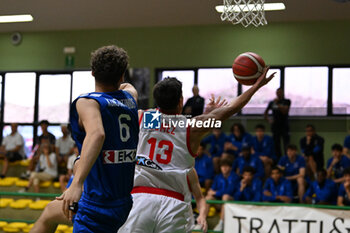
<point x="130" y="89"/>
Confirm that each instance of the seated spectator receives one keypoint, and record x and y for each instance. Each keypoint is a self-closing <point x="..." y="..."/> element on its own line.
<point x="347" y="145"/>
<point x="216" y="140"/>
<point x="64" y="145"/>
<point x="293" y="166"/>
<point x="322" y="191"/>
<point x="237" y="140"/>
<point x="66" y="177"/>
<point x="47" y="168"/>
<point x="344" y="190"/>
<point x="247" y="159"/>
<point x="277" y="188"/>
<point x="263" y="147"/>
<point x="312" y="148"/>
<point x="204" y="167"/>
<point x="337" y="164"/>
<point x="250" y="188"/>
<point x="12" y="148"/>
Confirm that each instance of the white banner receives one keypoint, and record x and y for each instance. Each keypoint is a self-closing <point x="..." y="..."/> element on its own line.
<point x="284" y="219"/>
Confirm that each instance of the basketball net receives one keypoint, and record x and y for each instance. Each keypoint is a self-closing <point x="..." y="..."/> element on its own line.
<point x="245" y="12"/>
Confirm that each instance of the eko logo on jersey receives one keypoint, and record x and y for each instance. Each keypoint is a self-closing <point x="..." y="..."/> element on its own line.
<point x="152" y="120"/>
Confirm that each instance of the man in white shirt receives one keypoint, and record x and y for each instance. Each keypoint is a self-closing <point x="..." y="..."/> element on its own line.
<point x="64" y="145"/>
<point x="12" y="148"/>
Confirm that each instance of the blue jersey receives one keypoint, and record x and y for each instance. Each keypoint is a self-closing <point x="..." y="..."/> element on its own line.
<point x="111" y="177"/>
<point x="342" y="193"/>
<point x="216" y="144"/>
<point x="251" y="192"/>
<point x="204" y="167"/>
<point x="240" y="163"/>
<point x="347" y="142"/>
<point x="291" y="169"/>
<point x="224" y="185"/>
<point x="264" y="147"/>
<point x="326" y="192"/>
<point x="245" y="141"/>
<point x="338" y="168"/>
<point x="282" y="188"/>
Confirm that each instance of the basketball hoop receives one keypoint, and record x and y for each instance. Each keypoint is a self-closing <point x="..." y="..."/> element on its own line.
<point x="245" y="12"/>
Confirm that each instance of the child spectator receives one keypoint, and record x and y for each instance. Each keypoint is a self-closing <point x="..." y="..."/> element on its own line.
<point x="264" y="148"/>
<point x="293" y="166"/>
<point x="322" y="191"/>
<point x="347" y="145"/>
<point x="247" y="159"/>
<point x="250" y="188"/>
<point x="312" y="148"/>
<point x="216" y="140"/>
<point x="65" y="178"/>
<point x="337" y="164"/>
<point x="47" y="168"/>
<point x="238" y="139"/>
<point x="277" y="188"/>
<point x="64" y="145"/>
<point x="344" y="190"/>
<point x="204" y="168"/>
<point x="12" y="148"/>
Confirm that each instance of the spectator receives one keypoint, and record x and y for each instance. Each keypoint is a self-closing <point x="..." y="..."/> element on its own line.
<point x="312" y="148"/>
<point x="337" y="164"/>
<point x="279" y="123"/>
<point x="194" y="106"/>
<point x="263" y="148"/>
<point x="237" y="139"/>
<point x="247" y="159"/>
<point x="216" y="140"/>
<point x="347" y="145"/>
<point x="204" y="167"/>
<point x="250" y="188"/>
<point x="322" y="191"/>
<point x="66" y="177"/>
<point x="47" y="168"/>
<point x="64" y="145"/>
<point x="12" y="148"/>
<point x="277" y="188"/>
<point x="293" y="166"/>
<point x="344" y="190"/>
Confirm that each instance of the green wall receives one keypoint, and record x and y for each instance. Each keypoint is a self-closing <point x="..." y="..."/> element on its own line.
<point x="298" y="43"/>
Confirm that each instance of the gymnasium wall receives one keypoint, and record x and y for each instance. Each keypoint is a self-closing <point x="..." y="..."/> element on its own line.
<point x="299" y="43"/>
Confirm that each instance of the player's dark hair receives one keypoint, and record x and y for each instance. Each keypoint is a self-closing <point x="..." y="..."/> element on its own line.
<point x="337" y="147"/>
<point x="44" y="122"/>
<point x="202" y="144"/>
<point x="292" y="147"/>
<point x="310" y="126"/>
<point x="277" y="168"/>
<point x="322" y="171"/>
<point x="167" y="93"/>
<point x="108" y="64"/>
<point x="347" y="171"/>
<point x="246" y="148"/>
<point x="260" y="126"/>
<point x="225" y="162"/>
<point x="248" y="169"/>
<point x="240" y="128"/>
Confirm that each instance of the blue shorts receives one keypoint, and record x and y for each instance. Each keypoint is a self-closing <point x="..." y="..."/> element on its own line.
<point x="94" y="217"/>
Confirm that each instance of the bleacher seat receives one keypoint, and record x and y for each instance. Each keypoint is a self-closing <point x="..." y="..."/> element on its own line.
<point x="56" y="185"/>
<point x="25" y="163"/>
<point x="38" y="205"/>
<point x="22" y="183"/>
<point x="62" y="227"/>
<point x="19" y="225"/>
<point x="3" y="224"/>
<point x="4" y="202"/>
<point x="10" y="229"/>
<point x="45" y="184"/>
<point x="21" y="203"/>
<point x="6" y="182"/>
<point x="28" y="228"/>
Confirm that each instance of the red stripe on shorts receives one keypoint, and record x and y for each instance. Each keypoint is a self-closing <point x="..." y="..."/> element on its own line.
<point x="158" y="191"/>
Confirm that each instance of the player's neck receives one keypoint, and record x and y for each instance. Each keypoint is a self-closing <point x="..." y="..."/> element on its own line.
<point x="106" y="88"/>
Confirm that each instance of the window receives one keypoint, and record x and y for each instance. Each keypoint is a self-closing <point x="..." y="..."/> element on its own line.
<point x="341" y="84"/>
<point x="184" y="76"/>
<point x="307" y="88"/>
<point x="54" y="97"/>
<point x="219" y="82"/>
<point x="260" y="100"/>
<point x="83" y="82"/>
<point x="27" y="133"/>
<point x="19" y="97"/>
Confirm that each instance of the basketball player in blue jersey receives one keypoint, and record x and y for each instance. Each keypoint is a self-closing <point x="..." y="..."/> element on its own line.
<point x="105" y="129"/>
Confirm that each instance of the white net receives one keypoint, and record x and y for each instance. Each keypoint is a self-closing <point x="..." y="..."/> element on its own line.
<point x="245" y="12"/>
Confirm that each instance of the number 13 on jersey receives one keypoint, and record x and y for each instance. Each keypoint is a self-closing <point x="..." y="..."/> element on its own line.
<point x="168" y="147"/>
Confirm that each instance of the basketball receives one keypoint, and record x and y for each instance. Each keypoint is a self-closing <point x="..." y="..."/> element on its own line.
<point x="247" y="68"/>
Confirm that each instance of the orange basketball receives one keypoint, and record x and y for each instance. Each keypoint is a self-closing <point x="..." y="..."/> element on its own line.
<point x="247" y="68"/>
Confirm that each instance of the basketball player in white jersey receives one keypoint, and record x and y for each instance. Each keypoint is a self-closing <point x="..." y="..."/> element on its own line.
<point x="165" y="175"/>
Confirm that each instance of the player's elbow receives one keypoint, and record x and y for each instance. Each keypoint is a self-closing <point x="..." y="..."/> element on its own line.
<point x="99" y="135"/>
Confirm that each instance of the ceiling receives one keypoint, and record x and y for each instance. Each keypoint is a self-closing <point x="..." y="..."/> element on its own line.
<point x="96" y="14"/>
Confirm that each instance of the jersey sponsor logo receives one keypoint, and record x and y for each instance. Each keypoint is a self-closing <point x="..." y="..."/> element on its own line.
<point x="152" y="120"/>
<point x="142" y="161"/>
<point x="119" y="156"/>
<point x="120" y="103"/>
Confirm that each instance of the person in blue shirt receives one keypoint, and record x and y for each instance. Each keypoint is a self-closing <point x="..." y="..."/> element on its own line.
<point x="264" y="148"/>
<point x="344" y="190"/>
<point x="322" y="191"/>
<point x="217" y="141"/>
<point x="204" y="167"/>
<point x="250" y="188"/>
<point x="293" y="166"/>
<point x="248" y="159"/>
<point x="347" y="145"/>
<point x="105" y="128"/>
<point x="337" y="164"/>
<point x="238" y="139"/>
<point x="277" y="188"/>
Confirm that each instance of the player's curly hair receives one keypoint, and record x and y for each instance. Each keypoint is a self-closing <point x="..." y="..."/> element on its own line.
<point x="108" y="64"/>
<point x="167" y="93"/>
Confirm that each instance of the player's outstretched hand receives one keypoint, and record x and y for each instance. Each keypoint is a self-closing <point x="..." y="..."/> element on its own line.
<point x="214" y="103"/>
<point x="263" y="80"/>
<point x="201" y="220"/>
<point x="70" y="199"/>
